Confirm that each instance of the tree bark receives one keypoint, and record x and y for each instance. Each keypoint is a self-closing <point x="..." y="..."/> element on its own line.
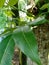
<point x="42" y="36"/>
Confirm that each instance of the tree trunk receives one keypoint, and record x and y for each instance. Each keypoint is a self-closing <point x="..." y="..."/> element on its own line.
<point x="42" y="35"/>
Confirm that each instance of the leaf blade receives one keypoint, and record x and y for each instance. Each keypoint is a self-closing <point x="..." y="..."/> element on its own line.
<point x="2" y="3"/>
<point x="12" y="2"/>
<point x="26" y="46"/>
<point x="8" y="52"/>
<point x="45" y="6"/>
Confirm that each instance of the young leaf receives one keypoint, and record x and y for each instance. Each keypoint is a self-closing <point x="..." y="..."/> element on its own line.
<point x="2" y="3"/>
<point x="45" y="6"/>
<point x="12" y="2"/>
<point x="25" y="40"/>
<point x="6" y="51"/>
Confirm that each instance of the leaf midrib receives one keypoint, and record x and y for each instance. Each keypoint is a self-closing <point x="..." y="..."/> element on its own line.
<point x="27" y="42"/>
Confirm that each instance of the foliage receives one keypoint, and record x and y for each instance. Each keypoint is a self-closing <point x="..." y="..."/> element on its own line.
<point x="6" y="51"/>
<point x="2" y="3"/>
<point x="22" y="36"/>
<point x="3" y="19"/>
<point x="12" y="2"/>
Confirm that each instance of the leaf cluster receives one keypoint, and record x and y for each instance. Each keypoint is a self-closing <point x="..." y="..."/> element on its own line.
<point x="20" y="35"/>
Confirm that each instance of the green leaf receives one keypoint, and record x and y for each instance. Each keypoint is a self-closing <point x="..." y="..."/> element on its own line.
<point x="25" y="40"/>
<point x="45" y="6"/>
<point x="2" y="3"/>
<point x="5" y="33"/>
<point x="38" y="21"/>
<point x="36" y="1"/>
<point x="3" y="19"/>
<point x="6" y="51"/>
<point x="12" y="2"/>
<point x="21" y="5"/>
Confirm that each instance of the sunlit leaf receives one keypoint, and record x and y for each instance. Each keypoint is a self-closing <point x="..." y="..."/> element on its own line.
<point x="8" y="13"/>
<point x="2" y="3"/>
<point x="12" y="2"/>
